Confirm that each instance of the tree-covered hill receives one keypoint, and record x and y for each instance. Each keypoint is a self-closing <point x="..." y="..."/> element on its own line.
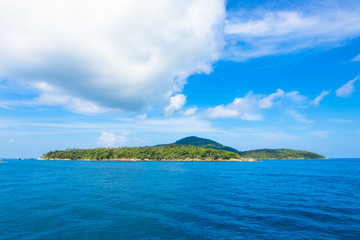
<point x="255" y="154"/>
<point x="205" y="143"/>
<point x="280" y="154"/>
<point x="165" y="152"/>
<point x="186" y="148"/>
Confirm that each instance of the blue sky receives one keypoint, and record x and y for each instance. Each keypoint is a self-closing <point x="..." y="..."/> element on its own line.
<point x="248" y="74"/>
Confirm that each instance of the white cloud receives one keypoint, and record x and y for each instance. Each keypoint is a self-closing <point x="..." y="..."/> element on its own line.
<point x="51" y="96"/>
<point x="319" y="98"/>
<point x="176" y="103"/>
<point x="296" y="97"/>
<point x="115" y="54"/>
<point x="221" y="112"/>
<point x="190" y="111"/>
<point x="261" y="33"/>
<point x="267" y="102"/>
<point x="71" y="103"/>
<point x="244" y="108"/>
<point x="54" y="98"/>
<point x="252" y="117"/>
<point x="299" y="117"/>
<point x="109" y="139"/>
<point x="347" y="89"/>
<point x="273" y="24"/>
<point x="250" y="107"/>
<point x="356" y="59"/>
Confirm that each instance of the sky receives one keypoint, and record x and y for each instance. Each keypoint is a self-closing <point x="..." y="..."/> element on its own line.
<point x="248" y="74"/>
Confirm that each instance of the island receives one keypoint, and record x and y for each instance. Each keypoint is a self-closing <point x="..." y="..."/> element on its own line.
<point x="170" y="152"/>
<point x="186" y="149"/>
<point x="281" y="153"/>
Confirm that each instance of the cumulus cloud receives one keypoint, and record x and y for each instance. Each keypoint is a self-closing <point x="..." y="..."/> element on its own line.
<point x="115" y="54"/>
<point x="347" y="89"/>
<point x="110" y="139"/>
<point x="99" y="56"/>
<point x="319" y="98"/>
<point x="267" y="32"/>
<point x="71" y="103"/>
<point x="176" y="103"/>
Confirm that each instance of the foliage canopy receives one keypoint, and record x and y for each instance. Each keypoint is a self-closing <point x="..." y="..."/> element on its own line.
<point x="165" y="152"/>
<point x="256" y="154"/>
<point x="205" y="143"/>
<point x="280" y="154"/>
<point x="186" y="148"/>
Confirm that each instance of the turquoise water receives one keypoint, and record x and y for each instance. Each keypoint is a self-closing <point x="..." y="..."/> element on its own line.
<point x="273" y="199"/>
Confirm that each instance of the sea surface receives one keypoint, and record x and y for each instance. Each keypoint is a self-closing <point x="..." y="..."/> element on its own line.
<point x="272" y="199"/>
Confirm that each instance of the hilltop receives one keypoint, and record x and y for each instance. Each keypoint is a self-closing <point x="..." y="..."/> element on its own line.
<point x="204" y="143"/>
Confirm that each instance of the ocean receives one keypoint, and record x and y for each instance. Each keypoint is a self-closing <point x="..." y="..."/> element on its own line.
<point x="272" y="199"/>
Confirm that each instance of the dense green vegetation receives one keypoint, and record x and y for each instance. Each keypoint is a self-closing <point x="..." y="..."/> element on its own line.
<point x="186" y="148"/>
<point x="256" y="154"/>
<point x="205" y="143"/>
<point x="152" y="153"/>
<point x="280" y="154"/>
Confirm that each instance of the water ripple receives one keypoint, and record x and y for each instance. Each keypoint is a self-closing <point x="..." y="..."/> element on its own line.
<point x="180" y="200"/>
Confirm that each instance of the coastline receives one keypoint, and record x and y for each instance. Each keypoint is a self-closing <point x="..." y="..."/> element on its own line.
<point x="153" y="160"/>
<point x="292" y="158"/>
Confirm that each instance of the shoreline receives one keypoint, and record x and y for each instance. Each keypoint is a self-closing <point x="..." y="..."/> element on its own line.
<point x="153" y="160"/>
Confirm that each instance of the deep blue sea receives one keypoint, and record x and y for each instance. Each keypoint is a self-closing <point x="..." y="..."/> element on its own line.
<point x="273" y="199"/>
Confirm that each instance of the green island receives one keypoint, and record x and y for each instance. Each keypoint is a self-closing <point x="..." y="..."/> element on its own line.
<point x="255" y="154"/>
<point x="186" y="149"/>
<point x="281" y="154"/>
<point x="169" y="152"/>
